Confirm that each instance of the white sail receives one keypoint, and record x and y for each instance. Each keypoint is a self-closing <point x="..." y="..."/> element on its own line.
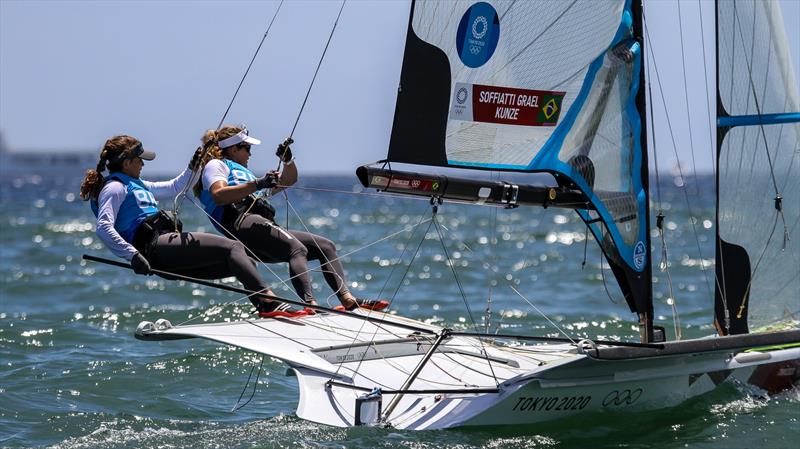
<point x="759" y="160"/>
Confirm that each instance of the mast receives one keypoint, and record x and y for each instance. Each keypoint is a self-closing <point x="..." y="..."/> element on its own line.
<point x="646" y="317"/>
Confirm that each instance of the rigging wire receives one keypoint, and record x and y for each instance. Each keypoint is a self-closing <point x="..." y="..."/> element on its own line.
<point x="394" y="295"/>
<point x="708" y="101"/>
<point x="176" y="205"/>
<point x="319" y="64"/>
<point x="558" y="328"/>
<point x="686" y="99"/>
<point x="664" y="263"/>
<point x="692" y="215"/>
<point x="761" y="126"/>
<point x="463" y="294"/>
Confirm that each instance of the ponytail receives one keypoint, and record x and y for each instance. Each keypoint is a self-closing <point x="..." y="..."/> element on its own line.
<point x="211" y="138"/>
<point x="93" y="181"/>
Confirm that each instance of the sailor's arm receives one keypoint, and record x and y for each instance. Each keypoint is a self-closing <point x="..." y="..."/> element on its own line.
<point x="287" y="178"/>
<point x="168" y="189"/>
<point x="224" y="194"/>
<point x="109" y="202"/>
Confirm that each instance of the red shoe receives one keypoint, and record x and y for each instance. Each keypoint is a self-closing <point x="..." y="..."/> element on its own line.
<point x="369" y="304"/>
<point x="372" y="304"/>
<point x="280" y="310"/>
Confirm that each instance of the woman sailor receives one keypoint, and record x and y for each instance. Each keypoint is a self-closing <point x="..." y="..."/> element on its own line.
<point x="227" y="190"/>
<point x="131" y="225"/>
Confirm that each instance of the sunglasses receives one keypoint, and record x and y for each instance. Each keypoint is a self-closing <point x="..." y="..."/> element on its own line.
<point x="244" y="146"/>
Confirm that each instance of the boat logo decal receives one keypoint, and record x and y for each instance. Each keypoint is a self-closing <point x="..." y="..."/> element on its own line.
<point x="478" y="34"/>
<point x="622" y="397"/>
<point x="638" y="255"/>
<point x="505" y="105"/>
<point x="551" y="403"/>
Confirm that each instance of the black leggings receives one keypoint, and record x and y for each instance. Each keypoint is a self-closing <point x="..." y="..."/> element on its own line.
<point x="272" y="244"/>
<point x="205" y="256"/>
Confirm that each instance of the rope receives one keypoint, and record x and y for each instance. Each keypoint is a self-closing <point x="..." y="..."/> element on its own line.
<point x="236" y="406"/>
<point x="176" y="205"/>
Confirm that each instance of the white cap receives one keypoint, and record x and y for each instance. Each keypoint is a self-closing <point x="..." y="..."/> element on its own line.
<point x="242" y="136"/>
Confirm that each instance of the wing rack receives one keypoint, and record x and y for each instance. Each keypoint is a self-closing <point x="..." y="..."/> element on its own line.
<point x="474" y="191"/>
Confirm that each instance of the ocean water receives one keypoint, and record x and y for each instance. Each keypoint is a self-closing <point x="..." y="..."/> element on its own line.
<point x="73" y="376"/>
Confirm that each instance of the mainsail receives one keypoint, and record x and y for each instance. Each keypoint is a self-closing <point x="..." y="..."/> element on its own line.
<point x="758" y="156"/>
<point x="547" y="100"/>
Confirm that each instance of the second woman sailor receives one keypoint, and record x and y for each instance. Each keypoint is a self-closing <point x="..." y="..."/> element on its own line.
<point x="226" y="191"/>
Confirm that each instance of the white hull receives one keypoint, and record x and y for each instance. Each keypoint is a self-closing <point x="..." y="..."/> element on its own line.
<point x="338" y="358"/>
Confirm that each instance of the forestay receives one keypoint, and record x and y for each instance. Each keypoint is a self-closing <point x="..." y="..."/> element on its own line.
<point x="758" y="247"/>
<point x="535" y="87"/>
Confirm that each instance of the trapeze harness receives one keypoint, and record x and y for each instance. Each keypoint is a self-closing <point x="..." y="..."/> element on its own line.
<point x="230" y="216"/>
<point x="139" y="220"/>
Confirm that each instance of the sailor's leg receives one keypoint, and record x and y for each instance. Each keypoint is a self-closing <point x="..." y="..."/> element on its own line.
<point x="273" y="244"/>
<point x="208" y="256"/>
<point x="321" y="249"/>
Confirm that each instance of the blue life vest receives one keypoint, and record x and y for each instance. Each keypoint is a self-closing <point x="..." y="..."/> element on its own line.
<point x="239" y="174"/>
<point x="139" y="203"/>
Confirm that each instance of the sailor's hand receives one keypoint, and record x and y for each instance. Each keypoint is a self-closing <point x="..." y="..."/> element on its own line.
<point x="195" y="161"/>
<point x="267" y="181"/>
<point x="140" y="264"/>
<point x="284" y="152"/>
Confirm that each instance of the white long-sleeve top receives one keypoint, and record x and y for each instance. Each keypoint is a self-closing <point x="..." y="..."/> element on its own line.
<point x="110" y="199"/>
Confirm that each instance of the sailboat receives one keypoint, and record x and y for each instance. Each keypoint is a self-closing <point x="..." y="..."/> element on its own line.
<point x="559" y="88"/>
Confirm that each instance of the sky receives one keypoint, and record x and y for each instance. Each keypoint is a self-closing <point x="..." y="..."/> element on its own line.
<point x="73" y="73"/>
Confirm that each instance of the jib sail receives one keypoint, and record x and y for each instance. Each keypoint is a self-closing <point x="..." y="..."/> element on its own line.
<point x="758" y="176"/>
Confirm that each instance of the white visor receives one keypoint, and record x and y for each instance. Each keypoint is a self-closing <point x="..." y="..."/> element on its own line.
<point x="237" y="139"/>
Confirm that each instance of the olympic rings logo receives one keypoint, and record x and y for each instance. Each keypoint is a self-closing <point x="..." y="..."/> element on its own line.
<point x="622" y="397"/>
<point x="474" y="49"/>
